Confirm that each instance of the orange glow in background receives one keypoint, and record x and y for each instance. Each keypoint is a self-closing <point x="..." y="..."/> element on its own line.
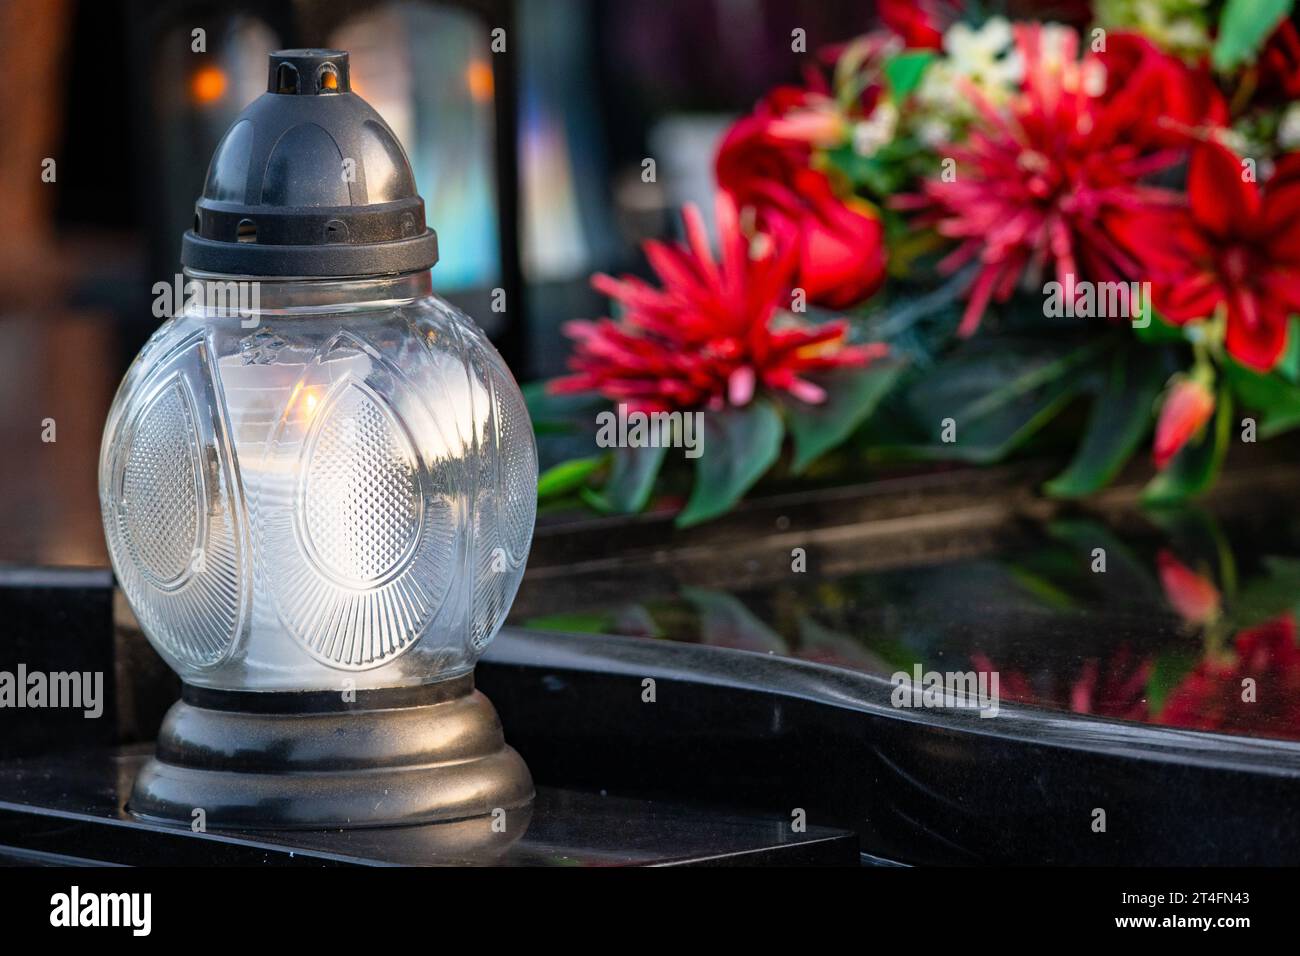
<point x="479" y="79"/>
<point x="208" y="84"/>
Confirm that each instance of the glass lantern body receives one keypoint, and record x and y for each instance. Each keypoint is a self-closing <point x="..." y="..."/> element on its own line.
<point x="331" y="486"/>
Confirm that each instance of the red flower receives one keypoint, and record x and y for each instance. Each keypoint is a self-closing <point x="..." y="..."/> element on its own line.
<point x="713" y="333"/>
<point x="1279" y="64"/>
<point x="752" y="160"/>
<point x="1192" y="595"/>
<point x="1157" y="96"/>
<point x="1237" y="248"/>
<point x="764" y="165"/>
<point x="1185" y="412"/>
<point x="1038" y="187"/>
<point x="841" y="244"/>
<point x="919" y="23"/>
<point x="1115" y="687"/>
<point x="1211" y="696"/>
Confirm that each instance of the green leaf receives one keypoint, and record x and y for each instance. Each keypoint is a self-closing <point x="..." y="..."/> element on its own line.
<point x="1167" y="673"/>
<point x="851" y="395"/>
<point x="1276" y="400"/>
<point x="1244" y="25"/>
<point x="726" y="622"/>
<point x="740" y="445"/>
<point x="1119" y="420"/>
<point x="825" y="645"/>
<point x="631" y="479"/>
<point x="905" y="71"/>
<point x="1289" y="367"/>
<point x="1195" y="467"/>
<point x="999" y="399"/>
<point x="1041" y="588"/>
<point x="556" y="414"/>
<point x="1125" y="567"/>
<point x="567" y="476"/>
<point x="870" y="173"/>
<point x="1153" y="329"/>
<point x="576" y="623"/>
<point x="1274" y="592"/>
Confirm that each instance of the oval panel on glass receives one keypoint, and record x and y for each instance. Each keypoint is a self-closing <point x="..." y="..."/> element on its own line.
<point x="161" y="518"/>
<point x="359" y="506"/>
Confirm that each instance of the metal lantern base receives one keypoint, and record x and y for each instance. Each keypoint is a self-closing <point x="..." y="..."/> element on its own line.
<point x="317" y="760"/>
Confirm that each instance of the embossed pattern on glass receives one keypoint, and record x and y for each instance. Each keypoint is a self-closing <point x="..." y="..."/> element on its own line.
<point x="321" y="491"/>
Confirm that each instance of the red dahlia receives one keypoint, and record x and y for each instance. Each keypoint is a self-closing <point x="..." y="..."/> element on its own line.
<point x="1037" y="185"/>
<point x="715" y="332"/>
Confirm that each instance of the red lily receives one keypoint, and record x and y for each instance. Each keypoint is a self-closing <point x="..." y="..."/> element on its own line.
<point x="1236" y="248"/>
<point x="716" y="330"/>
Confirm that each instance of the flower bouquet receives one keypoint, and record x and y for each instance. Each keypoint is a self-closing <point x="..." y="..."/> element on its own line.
<point x="957" y="232"/>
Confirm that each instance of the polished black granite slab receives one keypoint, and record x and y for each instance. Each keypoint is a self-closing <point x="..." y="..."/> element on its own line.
<point x="1173" y="617"/>
<point x="1160" y="685"/>
<point x="930" y="785"/>
<point x="70" y="809"/>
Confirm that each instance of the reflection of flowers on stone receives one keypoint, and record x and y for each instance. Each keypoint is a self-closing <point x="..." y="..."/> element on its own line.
<point x="1216" y="695"/>
<point x="1193" y="596"/>
<point x="1115" y="687"/>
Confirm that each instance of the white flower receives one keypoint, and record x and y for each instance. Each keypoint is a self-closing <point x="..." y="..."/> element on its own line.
<point x="983" y="56"/>
<point x="1237" y="141"/>
<point x="933" y="132"/>
<point x="876" y="130"/>
<point x="1288" y="131"/>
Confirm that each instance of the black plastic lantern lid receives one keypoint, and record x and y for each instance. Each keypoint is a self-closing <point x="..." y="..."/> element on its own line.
<point x="309" y="181"/>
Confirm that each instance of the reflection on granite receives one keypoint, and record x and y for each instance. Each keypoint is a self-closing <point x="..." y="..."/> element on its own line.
<point x="72" y="807"/>
<point x="1173" y="618"/>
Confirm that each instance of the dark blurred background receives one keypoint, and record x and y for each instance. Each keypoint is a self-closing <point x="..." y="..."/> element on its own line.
<point x="529" y="160"/>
